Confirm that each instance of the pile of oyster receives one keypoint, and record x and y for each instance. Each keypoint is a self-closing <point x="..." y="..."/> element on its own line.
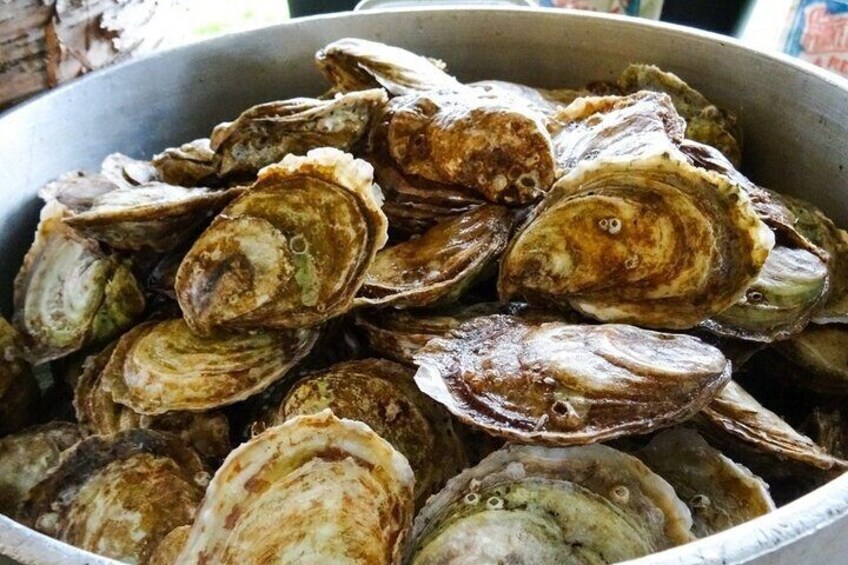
<point x="443" y="322"/>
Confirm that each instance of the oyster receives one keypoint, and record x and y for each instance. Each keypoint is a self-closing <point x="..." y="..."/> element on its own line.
<point x="439" y="266"/>
<point x="156" y="215"/>
<point x="792" y="283"/>
<point x="119" y="495"/>
<point x="719" y="493"/>
<point x="561" y="384"/>
<point x="291" y="252"/>
<point x="169" y="548"/>
<point x="414" y="204"/>
<point x="342" y="493"/>
<point x="705" y="122"/>
<point x="19" y="392"/>
<point x="69" y="292"/>
<point x="357" y="64"/>
<point x="126" y="172"/>
<point x="821" y="230"/>
<point x="529" y="504"/>
<point x="820" y="356"/>
<point x="160" y="367"/>
<point x="498" y="147"/>
<point x="751" y="433"/>
<point x="653" y="241"/>
<point x="544" y="100"/>
<point x="608" y="127"/>
<point x="399" y="334"/>
<point x="264" y="134"/>
<point x="191" y="164"/>
<point x="383" y="395"/>
<point x="27" y="457"/>
<point x="97" y="413"/>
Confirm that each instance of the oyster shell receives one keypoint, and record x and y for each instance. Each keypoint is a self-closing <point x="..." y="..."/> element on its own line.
<point x="169" y="548"/>
<point x="496" y="146"/>
<point x="821" y="230"/>
<point x="27" y="457"/>
<point x="291" y="252"/>
<point x="414" y="204"/>
<point x="751" y="433"/>
<point x="780" y="303"/>
<point x="356" y="64"/>
<point x="98" y="414"/>
<point x="545" y="100"/>
<point x="439" y="266"/>
<point x="653" y="241"/>
<point x="19" y="392"/>
<point x="264" y="134"/>
<point x="529" y="504"/>
<point x="70" y="293"/>
<point x="383" y="395"/>
<point x="821" y="352"/>
<point x="399" y="334"/>
<point x="705" y="122"/>
<point x="160" y="367"/>
<point x="343" y="494"/>
<point x="719" y="493"/>
<point x="560" y="384"/>
<point x="119" y="495"/>
<point x="191" y="164"/>
<point x="607" y="127"/>
<point x="155" y="216"/>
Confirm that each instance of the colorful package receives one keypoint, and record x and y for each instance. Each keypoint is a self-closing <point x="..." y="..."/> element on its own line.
<point x="818" y="33"/>
<point x="644" y="8"/>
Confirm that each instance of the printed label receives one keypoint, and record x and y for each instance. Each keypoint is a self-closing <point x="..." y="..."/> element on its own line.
<point x="819" y="34"/>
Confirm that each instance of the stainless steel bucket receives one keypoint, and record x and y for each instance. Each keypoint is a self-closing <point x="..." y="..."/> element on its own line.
<point x="795" y="119"/>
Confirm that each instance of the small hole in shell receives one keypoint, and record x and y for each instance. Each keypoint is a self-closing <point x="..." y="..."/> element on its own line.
<point x="620" y="494"/>
<point x="495" y="503"/>
<point x="472" y="498"/>
<point x="298" y="245"/>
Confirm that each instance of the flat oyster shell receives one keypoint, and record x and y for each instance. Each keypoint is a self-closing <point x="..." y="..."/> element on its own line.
<point x="341" y="492"/>
<point x="529" y="504"/>
<point x="562" y="384"/>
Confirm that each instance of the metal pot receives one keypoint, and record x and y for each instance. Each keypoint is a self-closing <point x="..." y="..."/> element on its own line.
<point x="795" y="119"/>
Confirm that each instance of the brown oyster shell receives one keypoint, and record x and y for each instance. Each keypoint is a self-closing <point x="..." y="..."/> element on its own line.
<point x="438" y="266"/>
<point x="264" y="134"/>
<point x="19" y="392"/>
<point x="191" y="164"/>
<point x="383" y="395"/>
<point x="607" y="127"/>
<point x="705" y="122"/>
<point x="291" y="252"/>
<point x="496" y="146"/>
<point x="779" y="304"/>
<point x="70" y="293"/>
<point x="719" y="493"/>
<point x="820" y="356"/>
<point x="399" y="334"/>
<point x="654" y="242"/>
<point x="119" y="495"/>
<point x="529" y="504"/>
<point x="160" y="367"/>
<point x="356" y="64"/>
<point x="759" y="438"/>
<point x="170" y="547"/>
<point x="544" y="100"/>
<point x="27" y="457"/>
<point x="342" y="493"/>
<point x="98" y="414"/>
<point x="154" y="216"/>
<point x="561" y="384"/>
